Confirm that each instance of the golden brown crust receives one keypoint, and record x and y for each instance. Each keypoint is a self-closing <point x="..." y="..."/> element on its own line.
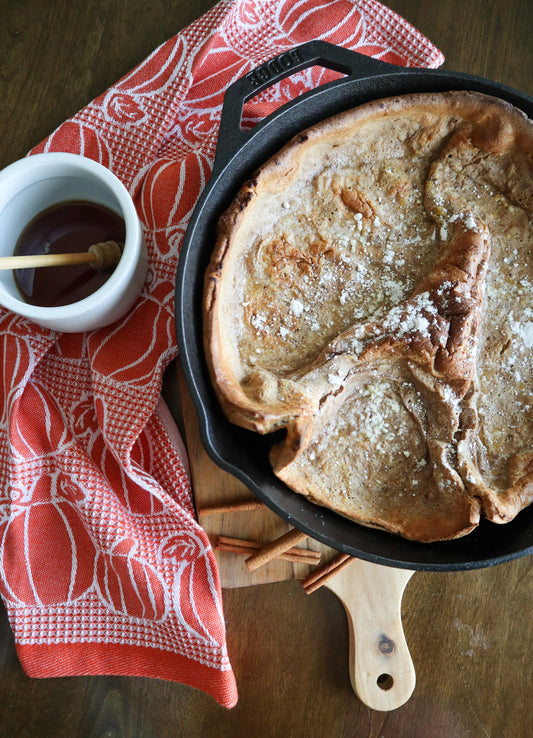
<point x="371" y="291"/>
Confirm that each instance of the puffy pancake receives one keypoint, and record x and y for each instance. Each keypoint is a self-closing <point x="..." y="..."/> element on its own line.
<point x="371" y="291"/>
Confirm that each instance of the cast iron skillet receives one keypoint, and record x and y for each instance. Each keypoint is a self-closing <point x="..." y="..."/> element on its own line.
<point x="239" y="153"/>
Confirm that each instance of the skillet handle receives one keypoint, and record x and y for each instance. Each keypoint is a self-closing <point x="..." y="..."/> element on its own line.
<point x="321" y="53"/>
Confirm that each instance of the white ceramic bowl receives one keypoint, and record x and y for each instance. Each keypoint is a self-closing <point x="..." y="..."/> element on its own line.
<point x="31" y="185"/>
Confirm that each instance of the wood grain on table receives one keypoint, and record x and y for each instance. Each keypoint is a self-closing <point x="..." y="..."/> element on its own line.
<point x="470" y="633"/>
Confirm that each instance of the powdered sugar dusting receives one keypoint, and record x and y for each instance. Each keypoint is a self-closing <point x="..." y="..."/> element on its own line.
<point x="524" y="330"/>
<point x="296" y="307"/>
<point x="411" y="317"/>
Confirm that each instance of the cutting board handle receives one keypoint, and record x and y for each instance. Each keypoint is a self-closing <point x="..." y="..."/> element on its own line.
<point x="381" y="669"/>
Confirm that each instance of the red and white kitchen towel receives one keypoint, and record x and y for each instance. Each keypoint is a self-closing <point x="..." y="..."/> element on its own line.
<point x="103" y="568"/>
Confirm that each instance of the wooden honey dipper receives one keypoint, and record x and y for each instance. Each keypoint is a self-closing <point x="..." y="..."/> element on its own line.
<point x="104" y="255"/>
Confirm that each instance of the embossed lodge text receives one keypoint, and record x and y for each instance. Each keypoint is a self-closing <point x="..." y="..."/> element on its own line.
<point x="273" y="67"/>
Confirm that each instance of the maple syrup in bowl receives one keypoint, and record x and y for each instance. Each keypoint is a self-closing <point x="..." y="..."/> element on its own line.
<point x="66" y="228"/>
<point x="58" y="203"/>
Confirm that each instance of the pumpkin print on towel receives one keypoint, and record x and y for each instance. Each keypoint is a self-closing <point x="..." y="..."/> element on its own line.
<point x="59" y="555"/>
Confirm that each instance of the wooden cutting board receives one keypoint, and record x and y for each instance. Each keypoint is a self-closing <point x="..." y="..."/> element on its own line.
<point x="380" y="666"/>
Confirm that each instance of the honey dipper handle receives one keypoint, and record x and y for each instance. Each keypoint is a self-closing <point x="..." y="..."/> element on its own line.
<point x="381" y="669"/>
<point x="35" y="261"/>
<point x="103" y="255"/>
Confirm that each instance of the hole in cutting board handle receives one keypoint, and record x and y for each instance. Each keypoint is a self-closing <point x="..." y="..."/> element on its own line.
<point x="385" y="682"/>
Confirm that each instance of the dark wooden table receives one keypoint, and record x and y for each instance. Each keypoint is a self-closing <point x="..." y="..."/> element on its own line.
<point x="470" y="633"/>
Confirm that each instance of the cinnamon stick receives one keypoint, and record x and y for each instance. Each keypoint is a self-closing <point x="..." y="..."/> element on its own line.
<point x="324" y="573"/>
<point x="227" y="507"/>
<point x="275" y="548"/>
<point x="239" y="545"/>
